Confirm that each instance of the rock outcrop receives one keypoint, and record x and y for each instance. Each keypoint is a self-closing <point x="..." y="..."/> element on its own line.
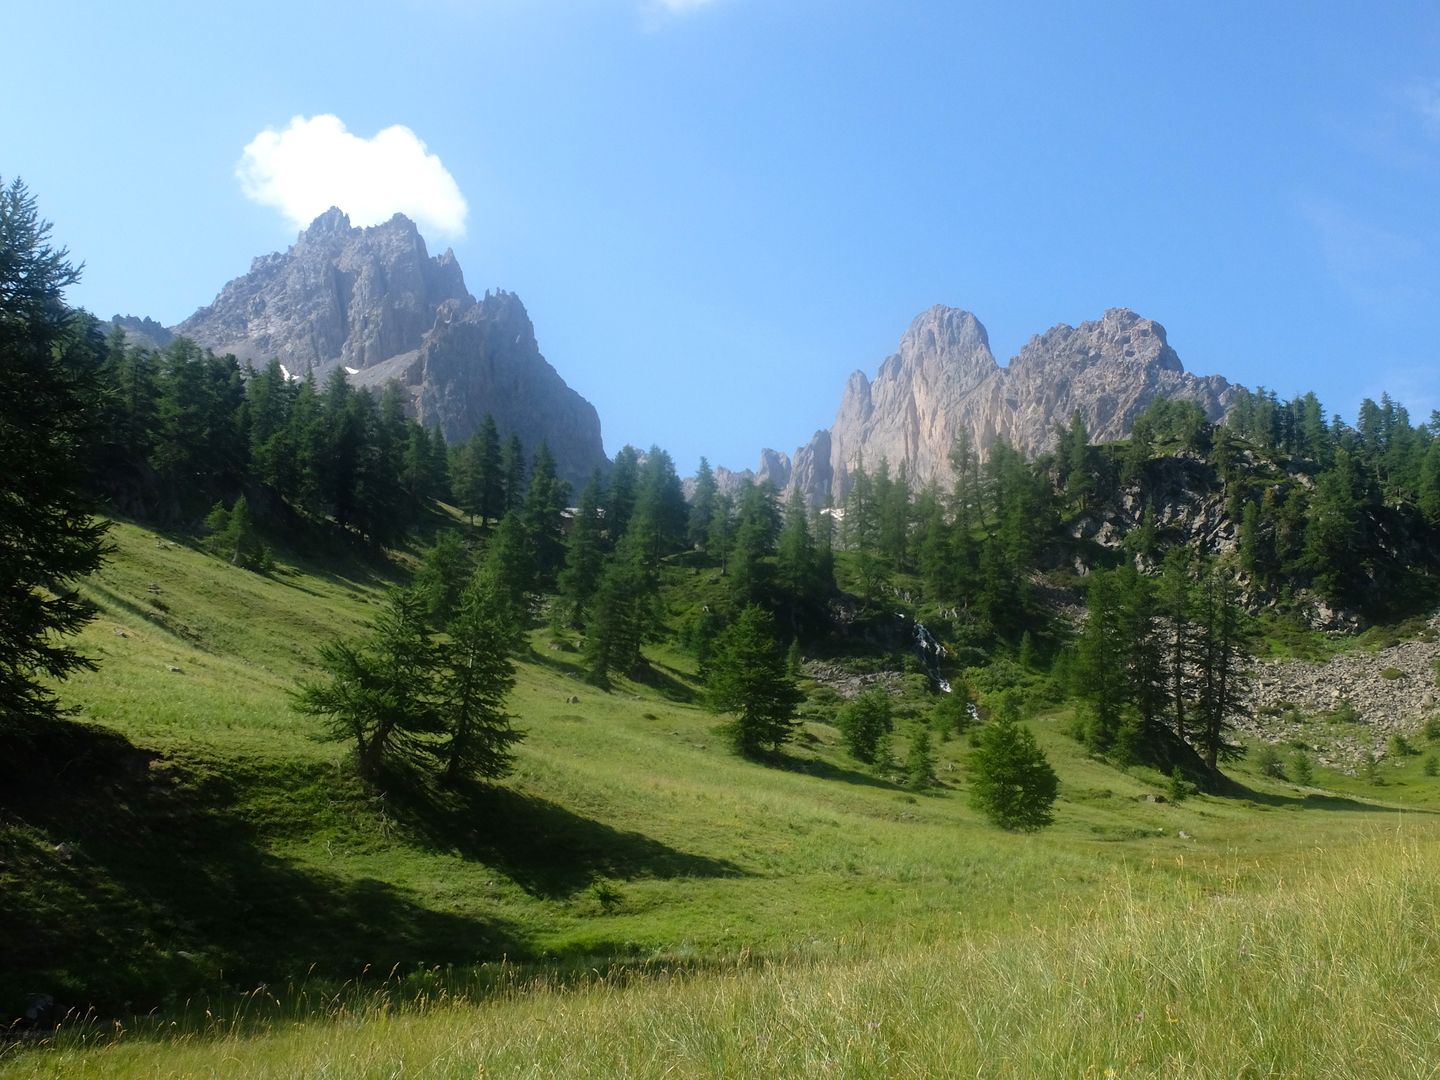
<point x="375" y="302"/>
<point x="944" y="382"/>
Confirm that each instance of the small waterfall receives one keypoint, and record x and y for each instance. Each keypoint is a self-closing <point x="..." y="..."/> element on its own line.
<point x="931" y="653"/>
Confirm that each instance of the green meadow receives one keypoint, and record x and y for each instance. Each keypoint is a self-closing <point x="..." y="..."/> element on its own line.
<point x="636" y="900"/>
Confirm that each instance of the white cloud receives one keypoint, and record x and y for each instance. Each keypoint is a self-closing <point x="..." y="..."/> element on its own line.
<point x="315" y="164"/>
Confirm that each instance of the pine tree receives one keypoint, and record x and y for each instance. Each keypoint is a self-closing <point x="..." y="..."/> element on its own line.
<point x="748" y="679"/>
<point x="1099" y="673"/>
<point x="623" y="613"/>
<point x="445" y="568"/>
<point x="702" y="506"/>
<point x="476" y="675"/>
<point x="1223" y="674"/>
<point x="381" y="691"/>
<point x="512" y="475"/>
<point x="622" y="493"/>
<point x="920" y="763"/>
<point x="507" y="570"/>
<point x="47" y="418"/>
<point x="584" y="556"/>
<point x="864" y="722"/>
<point x="544" y="513"/>
<point x="1011" y="782"/>
<point x="797" y="569"/>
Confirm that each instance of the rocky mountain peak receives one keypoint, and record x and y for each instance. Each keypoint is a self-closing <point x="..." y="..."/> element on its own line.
<point x="375" y="302"/>
<point x="340" y="295"/>
<point x="943" y="382"/>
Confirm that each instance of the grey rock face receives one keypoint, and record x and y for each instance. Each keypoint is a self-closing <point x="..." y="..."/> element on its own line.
<point x="375" y="302"/>
<point x="341" y="295"/>
<point x="145" y="332"/>
<point x="944" y="382"/>
<point x="483" y="357"/>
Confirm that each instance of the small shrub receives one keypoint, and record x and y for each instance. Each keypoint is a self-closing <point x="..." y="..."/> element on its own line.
<point x="1400" y="746"/>
<point x="1344" y="713"/>
<point x="1301" y="770"/>
<point x="1180" y="788"/>
<point x="1272" y="709"/>
<point x="920" y="765"/>
<point x="1432" y="728"/>
<point x="1392" y="673"/>
<point x="1370" y="770"/>
<point x="1268" y="761"/>
<point x="1431" y="766"/>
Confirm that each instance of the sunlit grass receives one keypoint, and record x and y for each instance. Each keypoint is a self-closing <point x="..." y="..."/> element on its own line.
<point x="737" y="918"/>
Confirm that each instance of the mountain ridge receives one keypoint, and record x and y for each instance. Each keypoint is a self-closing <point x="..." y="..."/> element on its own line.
<point x="943" y="382"/>
<point x="374" y="301"/>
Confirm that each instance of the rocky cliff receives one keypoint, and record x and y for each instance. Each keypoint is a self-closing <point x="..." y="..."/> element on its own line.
<point x="375" y="302"/>
<point x="944" y="381"/>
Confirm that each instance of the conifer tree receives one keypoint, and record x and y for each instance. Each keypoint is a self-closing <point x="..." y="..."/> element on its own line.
<point x="865" y="721"/>
<point x="380" y="691"/>
<point x="507" y="570"/>
<point x="584" y="556"/>
<point x="623" y="491"/>
<point x="47" y="418"/>
<point x="477" y="673"/>
<point x="920" y="763"/>
<point x="544" y="513"/>
<point x="445" y="568"/>
<point x="1222" y="665"/>
<point x="702" y="506"/>
<point x="748" y="679"/>
<point x="512" y="475"/>
<point x="623" y="613"/>
<point x="1011" y="782"/>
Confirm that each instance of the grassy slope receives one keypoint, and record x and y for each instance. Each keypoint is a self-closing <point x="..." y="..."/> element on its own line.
<point x="226" y="839"/>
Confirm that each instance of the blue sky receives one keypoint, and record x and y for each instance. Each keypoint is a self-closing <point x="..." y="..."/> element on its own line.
<point x="714" y="210"/>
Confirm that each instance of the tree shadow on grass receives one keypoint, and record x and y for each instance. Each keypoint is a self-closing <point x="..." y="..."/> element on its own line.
<point x="667" y="681"/>
<point x="127" y="882"/>
<point x="549" y="851"/>
<point x="1234" y="789"/>
<point x="826" y="770"/>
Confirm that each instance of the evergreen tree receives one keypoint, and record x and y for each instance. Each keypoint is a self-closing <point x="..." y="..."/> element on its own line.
<point x="544" y="512"/>
<point x="233" y="535"/>
<point x="756" y="530"/>
<point x="798" y="572"/>
<point x="1011" y="782"/>
<point x="270" y="398"/>
<point x="584" y="556"/>
<point x="722" y="532"/>
<point x="623" y="491"/>
<point x="1223" y="672"/>
<point x="920" y="763"/>
<point x="1175" y="603"/>
<point x="47" y="418"/>
<point x="1099" y="673"/>
<point x="507" y="571"/>
<point x="865" y="721"/>
<point x="512" y="475"/>
<point x="748" y="679"/>
<point x="131" y="375"/>
<point x="445" y="568"/>
<point x="482" y="491"/>
<point x="623" y="613"/>
<point x="476" y="675"/>
<point x="702" y="506"/>
<point x="660" y="501"/>
<point x="381" y="691"/>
